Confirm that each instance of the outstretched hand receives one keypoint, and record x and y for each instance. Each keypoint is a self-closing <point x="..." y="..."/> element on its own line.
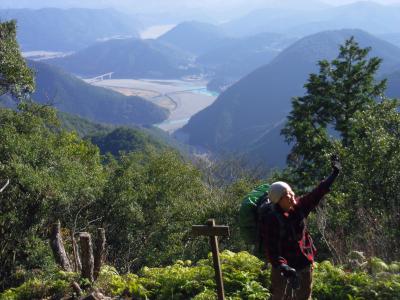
<point x="335" y="163"/>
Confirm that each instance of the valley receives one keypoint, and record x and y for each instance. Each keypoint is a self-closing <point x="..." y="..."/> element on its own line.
<point x="183" y="98"/>
<point x="128" y="128"/>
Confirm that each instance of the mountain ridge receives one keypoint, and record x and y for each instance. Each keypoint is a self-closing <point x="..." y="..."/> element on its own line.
<point x="68" y="29"/>
<point x="71" y="94"/>
<point x="255" y="104"/>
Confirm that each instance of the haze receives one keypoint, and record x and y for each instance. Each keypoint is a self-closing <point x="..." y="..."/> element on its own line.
<point x="156" y="4"/>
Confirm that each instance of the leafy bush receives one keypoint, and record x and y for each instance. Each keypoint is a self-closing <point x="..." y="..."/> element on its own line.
<point x="55" y="287"/>
<point x="244" y="278"/>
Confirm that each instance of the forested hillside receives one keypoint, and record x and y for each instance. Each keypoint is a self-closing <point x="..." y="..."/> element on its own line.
<point x="127" y="58"/>
<point x="77" y="224"/>
<point x="71" y="94"/>
<point x="226" y="62"/>
<point x="255" y="107"/>
<point x="195" y="37"/>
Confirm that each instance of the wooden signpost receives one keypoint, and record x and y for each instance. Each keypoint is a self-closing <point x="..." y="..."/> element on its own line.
<point x="213" y="231"/>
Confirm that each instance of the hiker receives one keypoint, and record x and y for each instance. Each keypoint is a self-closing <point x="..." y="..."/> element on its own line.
<point x="287" y="243"/>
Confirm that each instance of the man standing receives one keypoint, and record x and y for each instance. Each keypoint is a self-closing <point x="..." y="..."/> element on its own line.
<point x="287" y="243"/>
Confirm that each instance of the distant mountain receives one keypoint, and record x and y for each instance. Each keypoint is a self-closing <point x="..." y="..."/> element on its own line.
<point x="368" y="16"/>
<point x="393" y="87"/>
<point x="127" y="58"/>
<point x="65" y="30"/>
<point x="393" y="38"/>
<point x="70" y="94"/>
<point x="233" y="60"/>
<point x="247" y="116"/>
<point x="274" y="19"/>
<point x="195" y="37"/>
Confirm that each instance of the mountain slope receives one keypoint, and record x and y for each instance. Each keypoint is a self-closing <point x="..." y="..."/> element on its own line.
<point x="127" y="58"/>
<point x="241" y="56"/>
<point x="195" y="37"/>
<point x="72" y="95"/>
<point x="253" y="107"/>
<point x="113" y="139"/>
<point x="393" y="87"/>
<point x="55" y="29"/>
<point x="369" y="16"/>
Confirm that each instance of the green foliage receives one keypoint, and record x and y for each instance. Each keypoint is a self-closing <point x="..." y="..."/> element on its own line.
<point x="123" y="139"/>
<point x="71" y="94"/>
<point x="244" y="279"/>
<point x="53" y="175"/>
<point x="150" y="202"/>
<point x="340" y="89"/>
<point x="341" y="113"/>
<point x="368" y="188"/>
<point x="15" y="77"/>
<point x="333" y="283"/>
<point x="42" y="287"/>
<point x="81" y="126"/>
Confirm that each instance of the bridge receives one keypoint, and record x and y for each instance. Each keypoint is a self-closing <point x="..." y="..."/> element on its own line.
<point x="100" y="77"/>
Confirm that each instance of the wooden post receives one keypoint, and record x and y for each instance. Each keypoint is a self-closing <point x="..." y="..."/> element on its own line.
<point x="99" y="251"/>
<point x="57" y="245"/>
<point x="86" y="255"/>
<point x="213" y="231"/>
<point x="77" y="260"/>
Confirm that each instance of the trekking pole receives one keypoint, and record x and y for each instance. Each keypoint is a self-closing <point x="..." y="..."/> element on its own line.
<point x="285" y="294"/>
<point x="5" y="185"/>
<point x="292" y="284"/>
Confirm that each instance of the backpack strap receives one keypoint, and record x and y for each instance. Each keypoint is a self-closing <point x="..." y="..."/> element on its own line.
<point x="282" y="225"/>
<point x="281" y="221"/>
<point x="264" y="209"/>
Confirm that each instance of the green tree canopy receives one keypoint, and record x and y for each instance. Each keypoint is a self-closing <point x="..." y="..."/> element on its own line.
<point x="367" y="205"/>
<point x="16" y="78"/>
<point x="340" y="89"/>
<point x="53" y="175"/>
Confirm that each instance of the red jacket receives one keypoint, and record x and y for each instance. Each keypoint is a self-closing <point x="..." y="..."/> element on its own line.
<point x="284" y="235"/>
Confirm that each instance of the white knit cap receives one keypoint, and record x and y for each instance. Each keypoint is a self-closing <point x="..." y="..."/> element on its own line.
<point x="277" y="190"/>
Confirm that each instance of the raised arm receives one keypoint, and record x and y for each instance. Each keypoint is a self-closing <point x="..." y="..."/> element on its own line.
<point x="309" y="201"/>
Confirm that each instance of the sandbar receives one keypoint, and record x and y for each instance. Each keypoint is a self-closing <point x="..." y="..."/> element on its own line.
<point x="182" y="98"/>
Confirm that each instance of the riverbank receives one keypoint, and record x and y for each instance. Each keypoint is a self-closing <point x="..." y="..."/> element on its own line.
<point x="182" y="98"/>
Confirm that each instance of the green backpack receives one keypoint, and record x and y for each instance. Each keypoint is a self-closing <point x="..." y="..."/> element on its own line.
<point x="248" y="213"/>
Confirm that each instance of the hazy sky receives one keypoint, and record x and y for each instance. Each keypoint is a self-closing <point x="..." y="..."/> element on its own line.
<point x="159" y="3"/>
<point x="178" y="10"/>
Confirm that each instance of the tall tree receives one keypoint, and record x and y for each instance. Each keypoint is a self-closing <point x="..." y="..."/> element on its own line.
<point x="340" y="89"/>
<point x="53" y="175"/>
<point x="16" y="78"/>
<point x="365" y="208"/>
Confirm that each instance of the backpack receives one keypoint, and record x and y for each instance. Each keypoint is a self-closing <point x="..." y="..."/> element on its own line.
<point x="249" y="215"/>
<point x="254" y="207"/>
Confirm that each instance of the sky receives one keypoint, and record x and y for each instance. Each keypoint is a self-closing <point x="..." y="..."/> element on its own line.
<point x="213" y="11"/>
<point x="159" y="3"/>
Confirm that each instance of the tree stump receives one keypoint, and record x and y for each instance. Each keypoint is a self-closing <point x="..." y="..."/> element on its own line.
<point x="99" y="254"/>
<point x="86" y="255"/>
<point x="57" y="246"/>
